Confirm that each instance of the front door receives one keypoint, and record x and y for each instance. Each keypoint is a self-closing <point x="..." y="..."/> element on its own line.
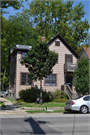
<point x="68" y="80"/>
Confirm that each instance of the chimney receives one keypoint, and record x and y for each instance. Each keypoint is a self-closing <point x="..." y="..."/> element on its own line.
<point x="43" y="39"/>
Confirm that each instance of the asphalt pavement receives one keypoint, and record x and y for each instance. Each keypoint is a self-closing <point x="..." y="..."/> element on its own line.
<point x="15" y="121"/>
<point x="45" y="124"/>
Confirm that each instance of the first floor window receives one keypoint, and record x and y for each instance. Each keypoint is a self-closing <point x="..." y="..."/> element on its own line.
<point x="25" y="79"/>
<point x="50" y="80"/>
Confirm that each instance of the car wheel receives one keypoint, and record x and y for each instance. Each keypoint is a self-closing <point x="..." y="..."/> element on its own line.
<point x="84" y="109"/>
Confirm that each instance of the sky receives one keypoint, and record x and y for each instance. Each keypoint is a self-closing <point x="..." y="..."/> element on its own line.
<point x="86" y="4"/>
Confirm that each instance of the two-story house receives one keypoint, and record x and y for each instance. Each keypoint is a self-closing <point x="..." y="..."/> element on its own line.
<point x="61" y="78"/>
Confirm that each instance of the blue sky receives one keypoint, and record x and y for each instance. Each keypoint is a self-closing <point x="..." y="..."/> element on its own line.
<point x="86" y="4"/>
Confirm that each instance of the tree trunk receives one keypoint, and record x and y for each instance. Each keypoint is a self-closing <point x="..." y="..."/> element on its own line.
<point x="41" y="89"/>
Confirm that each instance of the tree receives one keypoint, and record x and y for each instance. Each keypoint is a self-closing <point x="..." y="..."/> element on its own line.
<point x="39" y="62"/>
<point x="15" y="30"/>
<point x="15" y="4"/>
<point x="52" y="17"/>
<point x="11" y="34"/>
<point x="80" y="47"/>
<point x="81" y="76"/>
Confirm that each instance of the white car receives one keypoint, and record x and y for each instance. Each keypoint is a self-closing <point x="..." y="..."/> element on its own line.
<point x="7" y="92"/>
<point x="2" y="94"/>
<point x="80" y="104"/>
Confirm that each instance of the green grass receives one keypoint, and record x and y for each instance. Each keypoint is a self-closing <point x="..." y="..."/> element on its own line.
<point x="10" y="99"/>
<point x="49" y="104"/>
<point x="2" y="104"/>
<point x="41" y="111"/>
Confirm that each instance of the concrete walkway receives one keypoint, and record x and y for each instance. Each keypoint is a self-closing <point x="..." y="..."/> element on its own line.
<point x="10" y="108"/>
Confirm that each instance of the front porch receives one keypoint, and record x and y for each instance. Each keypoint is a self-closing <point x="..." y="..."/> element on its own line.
<point x="68" y="87"/>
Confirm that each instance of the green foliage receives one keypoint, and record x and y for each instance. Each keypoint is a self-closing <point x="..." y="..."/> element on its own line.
<point x="15" y="30"/>
<point x="4" y="80"/>
<point x="60" y="100"/>
<point x="59" y="17"/>
<point x="81" y="76"/>
<point x="28" y="27"/>
<point x="15" y="4"/>
<point x="80" y="47"/>
<point x="2" y="104"/>
<point x="59" y="95"/>
<point x="40" y="61"/>
<point x="30" y="95"/>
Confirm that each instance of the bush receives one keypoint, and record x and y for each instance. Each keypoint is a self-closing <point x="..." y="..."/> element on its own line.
<point x="60" y="100"/>
<point x="58" y="94"/>
<point x="30" y="95"/>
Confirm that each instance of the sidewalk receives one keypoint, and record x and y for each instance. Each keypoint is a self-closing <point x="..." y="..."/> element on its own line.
<point x="10" y="108"/>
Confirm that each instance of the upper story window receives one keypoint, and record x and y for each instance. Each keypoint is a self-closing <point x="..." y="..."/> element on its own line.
<point x="50" y="80"/>
<point x="68" y="58"/>
<point x="25" y="79"/>
<point x="57" y="43"/>
<point x="24" y="54"/>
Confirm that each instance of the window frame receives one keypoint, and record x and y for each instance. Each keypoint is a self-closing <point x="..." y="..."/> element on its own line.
<point x="57" y="43"/>
<point x="26" y="79"/>
<point x="22" y="53"/>
<point x="50" y="80"/>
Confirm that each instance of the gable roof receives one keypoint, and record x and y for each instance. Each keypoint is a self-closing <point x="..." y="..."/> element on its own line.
<point x="65" y="43"/>
<point x="87" y="50"/>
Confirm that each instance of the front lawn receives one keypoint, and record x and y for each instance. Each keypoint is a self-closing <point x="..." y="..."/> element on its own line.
<point x="41" y="111"/>
<point x="49" y="104"/>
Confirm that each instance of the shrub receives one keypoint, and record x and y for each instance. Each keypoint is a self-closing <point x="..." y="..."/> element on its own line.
<point x="58" y="94"/>
<point x="30" y="95"/>
<point x="60" y="100"/>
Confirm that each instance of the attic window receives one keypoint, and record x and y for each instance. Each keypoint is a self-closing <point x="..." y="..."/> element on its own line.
<point x="57" y="43"/>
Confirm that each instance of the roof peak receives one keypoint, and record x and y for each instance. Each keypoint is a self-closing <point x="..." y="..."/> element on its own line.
<point x="65" y="43"/>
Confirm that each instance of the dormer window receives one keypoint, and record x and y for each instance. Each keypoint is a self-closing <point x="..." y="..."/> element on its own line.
<point x="57" y="43"/>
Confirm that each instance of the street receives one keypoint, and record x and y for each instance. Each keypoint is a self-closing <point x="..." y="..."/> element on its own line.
<point x="45" y="124"/>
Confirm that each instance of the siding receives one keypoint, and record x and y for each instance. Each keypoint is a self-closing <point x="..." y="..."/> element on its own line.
<point x="58" y="68"/>
<point x="20" y="69"/>
<point x="12" y="85"/>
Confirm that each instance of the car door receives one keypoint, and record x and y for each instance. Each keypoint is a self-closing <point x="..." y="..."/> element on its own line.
<point x="87" y="101"/>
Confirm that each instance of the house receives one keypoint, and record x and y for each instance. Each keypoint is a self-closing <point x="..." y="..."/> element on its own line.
<point x="61" y="78"/>
<point x="85" y="52"/>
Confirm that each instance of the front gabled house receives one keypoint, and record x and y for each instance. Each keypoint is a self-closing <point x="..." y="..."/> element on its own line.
<point x="61" y="78"/>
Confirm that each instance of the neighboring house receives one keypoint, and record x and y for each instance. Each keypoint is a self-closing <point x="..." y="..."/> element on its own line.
<point x="62" y="71"/>
<point x="85" y="52"/>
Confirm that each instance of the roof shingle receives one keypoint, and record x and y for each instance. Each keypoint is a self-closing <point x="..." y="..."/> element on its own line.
<point x="87" y="50"/>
